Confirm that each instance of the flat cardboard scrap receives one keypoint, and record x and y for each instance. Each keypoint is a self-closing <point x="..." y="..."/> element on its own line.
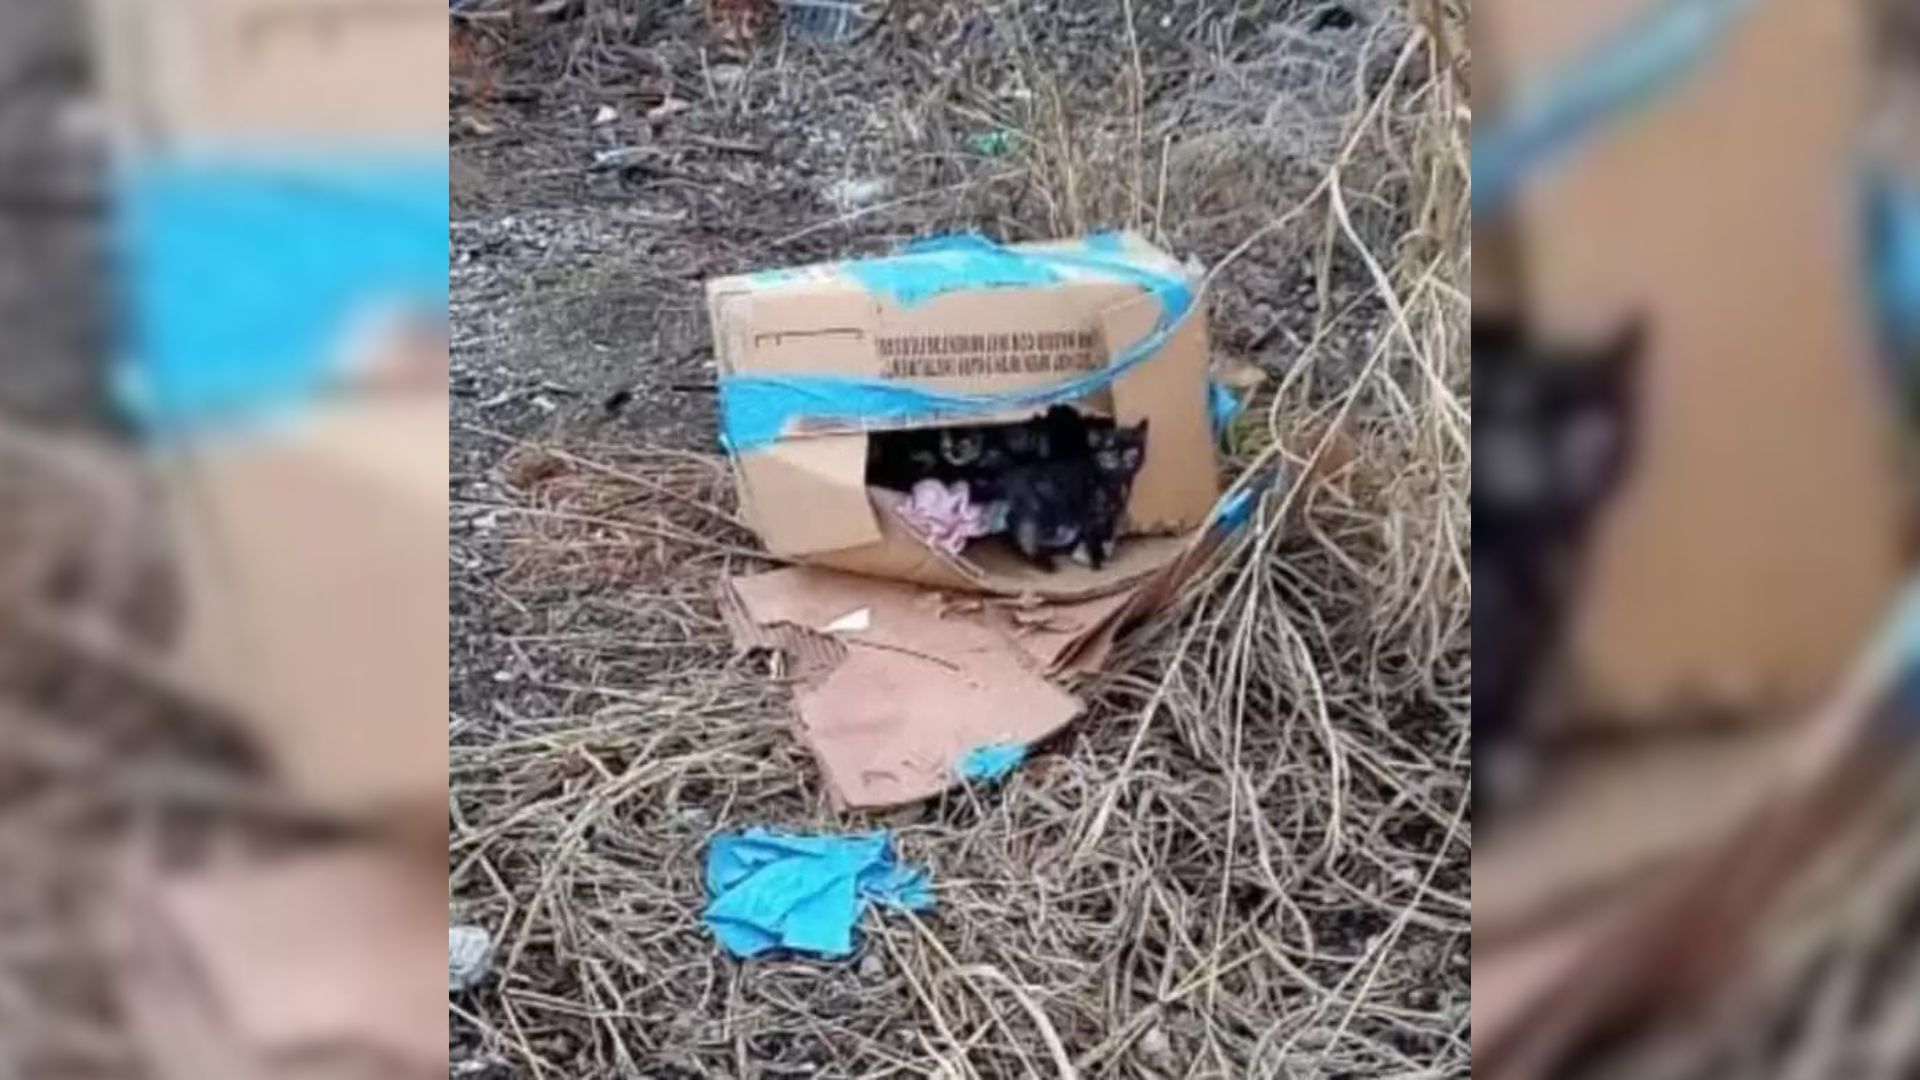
<point x="322" y="965"/>
<point x="908" y="697"/>
<point x="892" y="707"/>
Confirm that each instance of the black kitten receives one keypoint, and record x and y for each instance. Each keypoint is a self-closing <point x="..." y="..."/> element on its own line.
<point x="897" y="460"/>
<point x="1048" y="505"/>
<point x="1553" y="431"/>
<point x="1074" y="503"/>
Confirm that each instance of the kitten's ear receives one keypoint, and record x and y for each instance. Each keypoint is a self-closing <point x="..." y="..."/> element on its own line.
<point x="1140" y="429"/>
<point x="1622" y="354"/>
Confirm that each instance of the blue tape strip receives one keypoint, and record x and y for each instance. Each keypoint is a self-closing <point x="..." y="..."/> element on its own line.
<point x="242" y="276"/>
<point x="757" y="410"/>
<point x="1623" y="72"/>
<point x="985" y="764"/>
<point x="1892" y="214"/>
<point x="942" y="264"/>
<point x="1222" y="407"/>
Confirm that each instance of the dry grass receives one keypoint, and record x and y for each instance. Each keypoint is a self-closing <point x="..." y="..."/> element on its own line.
<point x="1250" y="859"/>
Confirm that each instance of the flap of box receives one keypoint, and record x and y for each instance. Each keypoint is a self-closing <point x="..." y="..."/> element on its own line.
<point x="1178" y="484"/>
<point x="806" y="496"/>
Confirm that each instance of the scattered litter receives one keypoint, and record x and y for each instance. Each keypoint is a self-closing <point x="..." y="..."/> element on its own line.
<point x="853" y="194"/>
<point x="853" y="622"/>
<point x="469" y="956"/>
<point x="991" y="143"/>
<point x="985" y="764"/>
<point x="667" y="108"/>
<point x="805" y="893"/>
<point x="946" y="516"/>
<point x="607" y="115"/>
<point x="824" y="20"/>
<point x="620" y="157"/>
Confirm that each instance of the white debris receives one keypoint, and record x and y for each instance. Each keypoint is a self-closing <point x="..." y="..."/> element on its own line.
<point x="607" y="115"/>
<point x="469" y="954"/>
<point x="852" y="194"/>
<point x="853" y="622"/>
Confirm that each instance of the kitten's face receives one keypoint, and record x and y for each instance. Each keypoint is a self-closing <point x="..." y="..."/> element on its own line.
<point x="1119" y="452"/>
<point x="962" y="446"/>
<point x="1551" y="424"/>
<point x="1028" y="441"/>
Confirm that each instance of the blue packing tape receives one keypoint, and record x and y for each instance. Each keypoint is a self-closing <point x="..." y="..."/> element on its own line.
<point x="757" y="410"/>
<point x="243" y="273"/>
<point x="1623" y="72"/>
<point x="1892" y="215"/>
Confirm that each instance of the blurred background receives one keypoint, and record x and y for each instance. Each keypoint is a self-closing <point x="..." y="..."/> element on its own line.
<point x="1695" y="635"/>
<point x="222" y="538"/>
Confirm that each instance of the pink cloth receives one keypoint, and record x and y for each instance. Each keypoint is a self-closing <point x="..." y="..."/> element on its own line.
<point x="946" y="515"/>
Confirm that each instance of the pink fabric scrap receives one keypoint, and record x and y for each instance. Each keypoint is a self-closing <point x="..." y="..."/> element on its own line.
<point x="946" y="515"/>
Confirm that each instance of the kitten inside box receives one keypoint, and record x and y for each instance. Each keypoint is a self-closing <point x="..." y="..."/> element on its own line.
<point x="1054" y="485"/>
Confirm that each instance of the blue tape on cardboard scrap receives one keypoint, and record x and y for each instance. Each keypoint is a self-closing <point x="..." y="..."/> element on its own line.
<point x="985" y="764"/>
<point x="774" y="890"/>
<point x="756" y="410"/>
<point x="242" y="275"/>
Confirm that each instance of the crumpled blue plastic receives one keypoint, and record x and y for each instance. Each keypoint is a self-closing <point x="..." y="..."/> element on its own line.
<point x="773" y="890"/>
<point x="985" y="764"/>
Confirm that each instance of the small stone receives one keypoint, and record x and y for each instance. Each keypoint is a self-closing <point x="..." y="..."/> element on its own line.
<point x="1155" y="1043"/>
<point x="872" y="968"/>
<point x="469" y="955"/>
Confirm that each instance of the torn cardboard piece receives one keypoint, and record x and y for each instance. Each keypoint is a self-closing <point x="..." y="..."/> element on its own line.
<point x="1613" y="815"/>
<point x="320" y="965"/>
<point x="891" y="703"/>
<point x="908" y="697"/>
<point x="312" y="557"/>
<point x="852" y="341"/>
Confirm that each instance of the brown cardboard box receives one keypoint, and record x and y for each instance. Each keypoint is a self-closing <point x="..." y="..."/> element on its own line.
<point x="1761" y="530"/>
<point x="806" y="495"/>
<point x="193" y="71"/>
<point x="313" y="557"/>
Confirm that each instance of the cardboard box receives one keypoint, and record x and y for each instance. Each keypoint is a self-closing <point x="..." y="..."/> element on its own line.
<point x="188" y="72"/>
<point x="1762" y="529"/>
<point x="806" y="495"/>
<point x="313" y="559"/>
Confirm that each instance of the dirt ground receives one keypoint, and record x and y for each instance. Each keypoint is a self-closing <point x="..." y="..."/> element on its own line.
<point x="50" y="221"/>
<point x="1267" y="879"/>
